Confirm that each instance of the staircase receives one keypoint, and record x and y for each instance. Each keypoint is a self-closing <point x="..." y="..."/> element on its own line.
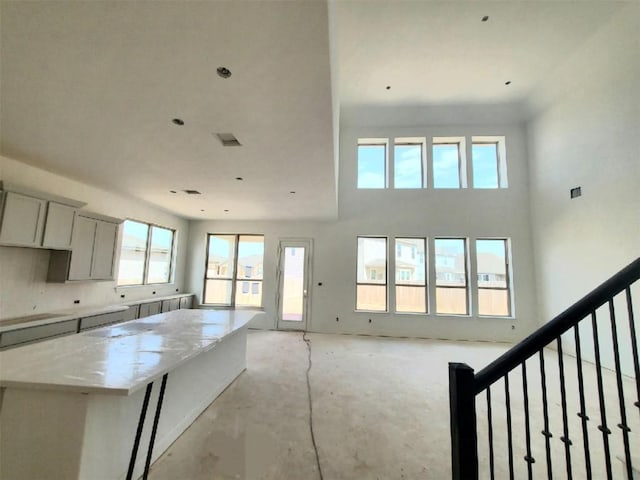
<point x="540" y="412"/>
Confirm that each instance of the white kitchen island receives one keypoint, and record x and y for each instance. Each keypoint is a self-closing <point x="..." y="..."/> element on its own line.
<point x="70" y="408"/>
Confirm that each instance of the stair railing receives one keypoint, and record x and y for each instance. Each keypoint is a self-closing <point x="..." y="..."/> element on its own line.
<point x="465" y="386"/>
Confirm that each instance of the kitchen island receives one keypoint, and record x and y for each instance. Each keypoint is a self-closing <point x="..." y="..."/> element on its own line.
<point x="84" y="406"/>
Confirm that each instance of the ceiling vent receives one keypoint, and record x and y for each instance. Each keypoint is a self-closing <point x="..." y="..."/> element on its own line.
<point x="192" y="192"/>
<point x="228" y="140"/>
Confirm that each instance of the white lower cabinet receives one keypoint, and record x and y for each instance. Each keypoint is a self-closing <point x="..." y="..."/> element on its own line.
<point x="170" y="305"/>
<point x="27" y="335"/>
<point x="95" y="321"/>
<point x="186" y="302"/>
<point x="150" y="308"/>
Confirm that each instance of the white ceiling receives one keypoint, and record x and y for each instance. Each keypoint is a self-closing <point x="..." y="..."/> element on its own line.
<point x="88" y="89"/>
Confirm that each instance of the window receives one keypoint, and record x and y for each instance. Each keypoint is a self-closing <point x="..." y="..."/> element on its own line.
<point x="448" y="164"/>
<point x="146" y="254"/>
<point x="234" y="262"/>
<point x="493" y="279"/>
<point x="411" y="290"/>
<point x="451" y="276"/>
<point x="407" y="163"/>
<point x="371" y="278"/>
<point x="372" y="163"/>
<point x="489" y="166"/>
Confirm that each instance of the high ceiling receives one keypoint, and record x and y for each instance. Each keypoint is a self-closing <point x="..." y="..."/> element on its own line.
<point x="89" y="88"/>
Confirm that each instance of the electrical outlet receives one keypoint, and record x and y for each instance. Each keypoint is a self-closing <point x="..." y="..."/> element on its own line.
<point x="337" y="319"/>
<point x="76" y="301"/>
<point x="122" y="296"/>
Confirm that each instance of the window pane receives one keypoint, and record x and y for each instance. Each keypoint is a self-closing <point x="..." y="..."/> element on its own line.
<point x="446" y="165"/>
<point x="372" y="260"/>
<point x="218" y="292"/>
<point x="160" y="255"/>
<point x="493" y="302"/>
<point x="293" y="284"/>
<point x="133" y="253"/>
<point x="250" y="255"/>
<point x="371" y="297"/>
<point x="411" y="299"/>
<point x="407" y="166"/>
<point x="485" y="165"/>
<point x="451" y="300"/>
<point x="451" y="266"/>
<point x="221" y="249"/>
<point x="248" y="297"/>
<point x="371" y="166"/>
<point x="410" y="261"/>
<point x="492" y="264"/>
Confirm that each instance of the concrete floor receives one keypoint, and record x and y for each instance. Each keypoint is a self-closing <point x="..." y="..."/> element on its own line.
<point x="380" y="411"/>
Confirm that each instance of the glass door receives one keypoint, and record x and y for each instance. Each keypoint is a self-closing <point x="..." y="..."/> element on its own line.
<point x="293" y="284"/>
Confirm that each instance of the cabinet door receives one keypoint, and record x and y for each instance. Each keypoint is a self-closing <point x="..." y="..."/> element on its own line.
<point x="170" y="305"/>
<point x="104" y="251"/>
<point x="22" y="220"/>
<point x="58" y="227"/>
<point x="87" y="323"/>
<point x="186" y="302"/>
<point x="84" y="233"/>
<point x="32" y="334"/>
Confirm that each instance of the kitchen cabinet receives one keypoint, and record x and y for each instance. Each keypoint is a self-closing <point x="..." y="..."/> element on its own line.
<point x="94" y="245"/>
<point x="41" y="332"/>
<point x="29" y="218"/>
<point x="170" y="305"/>
<point x="95" y="321"/>
<point x="150" y="308"/>
<point x="186" y="302"/>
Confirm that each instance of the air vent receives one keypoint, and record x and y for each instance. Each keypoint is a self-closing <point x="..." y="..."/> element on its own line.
<point x="228" y="140"/>
<point x="192" y="192"/>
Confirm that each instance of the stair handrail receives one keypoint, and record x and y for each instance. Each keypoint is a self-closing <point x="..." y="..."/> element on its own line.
<point x="556" y="327"/>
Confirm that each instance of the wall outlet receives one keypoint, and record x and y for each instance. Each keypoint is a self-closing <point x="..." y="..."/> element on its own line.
<point x="576" y="192"/>
<point x="76" y="301"/>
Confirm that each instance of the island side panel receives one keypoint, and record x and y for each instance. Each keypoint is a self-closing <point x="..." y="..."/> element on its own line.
<point x="41" y="434"/>
<point x="191" y="388"/>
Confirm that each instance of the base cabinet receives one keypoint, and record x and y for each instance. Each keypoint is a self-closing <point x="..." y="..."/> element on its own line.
<point x="150" y="308"/>
<point x="96" y="321"/>
<point x="24" y="336"/>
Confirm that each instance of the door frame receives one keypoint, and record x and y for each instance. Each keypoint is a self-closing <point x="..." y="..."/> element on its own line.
<point x="307" y="243"/>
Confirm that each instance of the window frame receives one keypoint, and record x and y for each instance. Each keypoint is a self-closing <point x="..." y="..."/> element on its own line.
<point x="233" y="278"/>
<point x="507" y="270"/>
<point x="386" y="279"/>
<point x="147" y="255"/>
<point x="373" y="142"/>
<point x="466" y="287"/>
<point x="425" y="286"/>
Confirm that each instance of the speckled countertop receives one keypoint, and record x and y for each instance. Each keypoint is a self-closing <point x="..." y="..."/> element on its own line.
<point x="122" y="358"/>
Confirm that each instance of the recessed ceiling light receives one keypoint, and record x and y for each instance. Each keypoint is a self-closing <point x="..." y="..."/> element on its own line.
<point x="178" y="121"/>
<point x="202" y="209"/>
<point x="292" y="191"/>
<point x="485" y="18"/>
<point x="172" y="191"/>
<point x="192" y="192"/>
<point x="224" y="72"/>
<point x="388" y="87"/>
<point x="239" y="178"/>
<point x="507" y="82"/>
<point x="226" y="209"/>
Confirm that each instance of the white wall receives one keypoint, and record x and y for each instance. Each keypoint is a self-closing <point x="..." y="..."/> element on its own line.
<point x="468" y="213"/>
<point x="587" y="134"/>
<point x="23" y="286"/>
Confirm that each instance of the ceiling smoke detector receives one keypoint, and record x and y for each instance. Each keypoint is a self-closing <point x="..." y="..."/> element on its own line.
<point x="224" y="72"/>
<point x="228" y="140"/>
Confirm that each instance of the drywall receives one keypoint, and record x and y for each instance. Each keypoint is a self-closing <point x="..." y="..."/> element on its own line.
<point x="23" y="286"/>
<point x="588" y="136"/>
<point x="428" y="212"/>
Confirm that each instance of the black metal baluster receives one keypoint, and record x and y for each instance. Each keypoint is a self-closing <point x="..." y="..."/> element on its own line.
<point x="507" y="400"/>
<point x="623" y="412"/>
<point x="490" y="424"/>
<point x="136" y="441"/>
<point x="528" y="457"/>
<point x="583" y="411"/>
<point x="603" y="409"/>
<point x="154" y="429"/>
<point x="545" y="413"/>
<point x="565" y="424"/>
<point x="634" y="346"/>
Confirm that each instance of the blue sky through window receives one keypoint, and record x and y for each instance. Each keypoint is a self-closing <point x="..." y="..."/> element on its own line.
<point x="371" y="166"/>
<point x="485" y="165"/>
<point x="407" y="166"/>
<point x="446" y="166"/>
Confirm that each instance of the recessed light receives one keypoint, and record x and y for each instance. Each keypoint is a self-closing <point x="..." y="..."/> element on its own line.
<point x="226" y="209"/>
<point x="178" y="121"/>
<point x="239" y="178"/>
<point x="388" y="87"/>
<point x="292" y="191"/>
<point x="507" y="82"/>
<point x="192" y="192"/>
<point x="224" y="72"/>
<point x="172" y="191"/>
<point x="485" y="18"/>
<point x="202" y="209"/>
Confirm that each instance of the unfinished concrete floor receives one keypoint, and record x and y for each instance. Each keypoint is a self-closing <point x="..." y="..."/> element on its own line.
<point x="380" y="411"/>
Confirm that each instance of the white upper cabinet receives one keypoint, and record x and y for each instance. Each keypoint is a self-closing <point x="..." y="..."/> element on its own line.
<point x="84" y="235"/>
<point x="104" y="250"/>
<point x="29" y="218"/>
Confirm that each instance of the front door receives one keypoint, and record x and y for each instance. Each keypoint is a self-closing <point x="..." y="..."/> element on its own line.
<point x="293" y="284"/>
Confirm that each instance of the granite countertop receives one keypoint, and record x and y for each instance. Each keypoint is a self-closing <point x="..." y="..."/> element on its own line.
<point x="119" y="359"/>
<point x="57" y="316"/>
